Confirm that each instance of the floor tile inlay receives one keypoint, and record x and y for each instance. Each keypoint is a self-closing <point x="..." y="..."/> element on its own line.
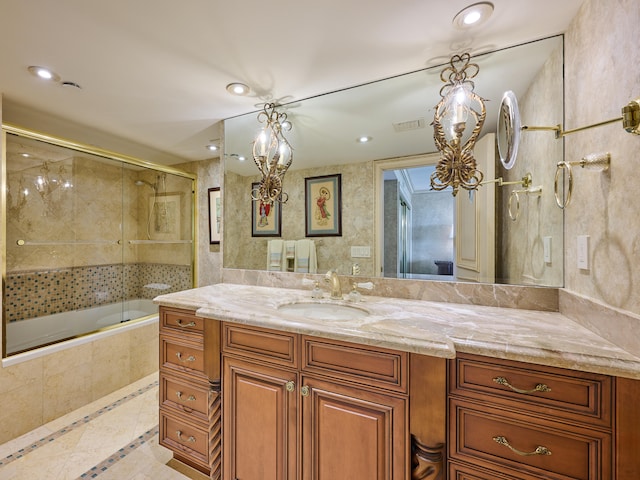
<point x="119" y="455"/>
<point x="55" y="435"/>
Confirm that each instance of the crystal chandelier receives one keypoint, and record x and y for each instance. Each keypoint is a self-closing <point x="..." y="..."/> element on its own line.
<point x="272" y="154"/>
<point x="459" y="106"/>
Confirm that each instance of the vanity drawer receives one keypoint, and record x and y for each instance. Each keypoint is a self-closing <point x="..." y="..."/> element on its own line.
<point x="181" y="320"/>
<point x="575" y="453"/>
<point x="370" y="366"/>
<point x="188" y="398"/>
<point x="577" y="396"/>
<point x="259" y="343"/>
<point x="464" y="472"/>
<point x="181" y="355"/>
<point x="188" y="441"/>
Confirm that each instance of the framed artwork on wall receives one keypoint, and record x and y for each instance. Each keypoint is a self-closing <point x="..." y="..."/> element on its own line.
<point x="323" y="206"/>
<point x="266" y="219"/>
<point x="215" y="215"/>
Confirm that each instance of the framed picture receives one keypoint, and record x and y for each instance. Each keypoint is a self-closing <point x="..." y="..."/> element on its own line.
<point x="164" y="216"/>
<point x="323" y="206"/>
<point x="215" y="215"/>
<point x="266" y="219"/>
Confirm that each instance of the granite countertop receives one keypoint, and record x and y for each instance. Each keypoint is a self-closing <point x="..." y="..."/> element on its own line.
<point x="431" y="328"/>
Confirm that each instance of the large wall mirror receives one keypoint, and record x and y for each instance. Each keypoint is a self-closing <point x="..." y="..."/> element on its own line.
<point x="393" y="224"/>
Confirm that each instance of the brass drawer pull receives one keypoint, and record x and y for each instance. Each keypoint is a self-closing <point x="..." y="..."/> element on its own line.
<point x="190" y="398"/>
<point x="190" y="358"/>
<point x="185" y="325"/>
<point x="191" y="439"/>
<point x="541" y="387"/>
<point x="290" y="386"/>
<point x="540" y="450"/>
<point x="305" y="391"/>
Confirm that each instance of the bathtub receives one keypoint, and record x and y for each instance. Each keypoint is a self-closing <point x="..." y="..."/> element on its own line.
<point x="74" y="326"/>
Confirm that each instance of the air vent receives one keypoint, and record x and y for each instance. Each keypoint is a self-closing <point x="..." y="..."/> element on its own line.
<point x="409" y="125"/>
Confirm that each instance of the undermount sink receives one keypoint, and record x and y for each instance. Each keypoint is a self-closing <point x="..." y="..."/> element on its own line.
<point x="324" y="311"/>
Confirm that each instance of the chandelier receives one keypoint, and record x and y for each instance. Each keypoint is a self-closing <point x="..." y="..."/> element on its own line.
<point x="272" y="154"/>
<point x="459" y="106"/>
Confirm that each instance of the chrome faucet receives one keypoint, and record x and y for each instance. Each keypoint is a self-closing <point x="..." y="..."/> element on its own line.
<point x="336" y="291"/>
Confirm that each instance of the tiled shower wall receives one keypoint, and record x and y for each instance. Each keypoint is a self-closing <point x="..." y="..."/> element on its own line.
<point x="37" y="293"/>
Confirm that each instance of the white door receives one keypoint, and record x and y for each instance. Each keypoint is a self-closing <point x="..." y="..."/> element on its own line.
<point x="475" y="221"/>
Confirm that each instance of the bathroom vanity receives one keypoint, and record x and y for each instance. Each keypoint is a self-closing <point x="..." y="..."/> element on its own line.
<point x="253" y="388"/>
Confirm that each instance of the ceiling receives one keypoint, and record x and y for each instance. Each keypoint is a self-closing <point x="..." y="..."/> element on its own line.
<point x="154" y="72"/>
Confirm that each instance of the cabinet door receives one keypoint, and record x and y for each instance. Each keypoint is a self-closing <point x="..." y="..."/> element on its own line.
<point x="260" y="423"/>
<point x="352" y="434"/>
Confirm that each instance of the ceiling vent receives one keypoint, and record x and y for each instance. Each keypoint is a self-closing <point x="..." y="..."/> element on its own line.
<point x="409" y="125"/>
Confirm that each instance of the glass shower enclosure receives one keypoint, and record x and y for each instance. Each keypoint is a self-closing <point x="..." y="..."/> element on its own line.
<point x="89" y="238"/>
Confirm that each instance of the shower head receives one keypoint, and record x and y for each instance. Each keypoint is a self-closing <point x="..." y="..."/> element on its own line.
<point x="140" y="183"/>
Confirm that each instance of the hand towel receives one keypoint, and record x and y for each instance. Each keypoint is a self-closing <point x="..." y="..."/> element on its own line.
<point x="275" y="251"/>
<point x="305" y="261"/>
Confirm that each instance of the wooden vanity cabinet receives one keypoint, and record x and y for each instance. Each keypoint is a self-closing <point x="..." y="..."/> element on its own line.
<point x="190" y="420"/>
<point x="518" y="421"/>
<point x="298" y="407"/>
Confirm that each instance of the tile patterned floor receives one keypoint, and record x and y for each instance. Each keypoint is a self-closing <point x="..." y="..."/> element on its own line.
<point x="114" y="438"/>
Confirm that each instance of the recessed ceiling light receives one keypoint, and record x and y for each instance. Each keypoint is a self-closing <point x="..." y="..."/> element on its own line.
<point x="44" y="73"/>
<point x="241" y="158"/>
<point x="237" y="88"/>
<point x="364" y="139"/>
<point x="212" y="147"/>
<point x="473" y="15"/>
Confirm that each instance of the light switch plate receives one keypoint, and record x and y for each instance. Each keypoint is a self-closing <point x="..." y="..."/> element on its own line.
<point x="546" y="243"/>
<point x="583" y="252"/>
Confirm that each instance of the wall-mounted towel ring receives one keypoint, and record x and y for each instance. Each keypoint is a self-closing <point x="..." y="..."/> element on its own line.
<point x="599" y="161"/>
<point x="515" y="194"/>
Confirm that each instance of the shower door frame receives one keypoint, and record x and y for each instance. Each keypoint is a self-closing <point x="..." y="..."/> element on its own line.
<point x="8" y="128"/>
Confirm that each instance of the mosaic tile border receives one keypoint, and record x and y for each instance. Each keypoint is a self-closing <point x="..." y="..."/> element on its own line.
<point x="37" y="293"/>
<point x="78" y="423"/>
<point x="120" y="454"/>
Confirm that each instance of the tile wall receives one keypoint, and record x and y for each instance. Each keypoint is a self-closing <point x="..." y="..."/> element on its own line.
<point x="36" y="293"/>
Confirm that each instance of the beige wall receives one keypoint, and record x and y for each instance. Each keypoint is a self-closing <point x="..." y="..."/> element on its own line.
<point x="209" y="257"/>
<point x="522" y="260"/>
<point x="602" y="73"/>
<point x="245" y="251"/>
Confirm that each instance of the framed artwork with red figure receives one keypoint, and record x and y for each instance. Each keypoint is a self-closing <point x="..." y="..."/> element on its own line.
<point x="266" y="219"/>
<point x="323" y="206"/>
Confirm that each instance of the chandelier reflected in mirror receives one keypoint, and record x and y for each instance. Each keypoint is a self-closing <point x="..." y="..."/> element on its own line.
<point x="272" y="154"/>
<point x="459" y="109"/>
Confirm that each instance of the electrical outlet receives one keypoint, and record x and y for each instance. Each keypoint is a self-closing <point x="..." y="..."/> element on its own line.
<point x="583" y="252"/>
<point x="360" y="252"/>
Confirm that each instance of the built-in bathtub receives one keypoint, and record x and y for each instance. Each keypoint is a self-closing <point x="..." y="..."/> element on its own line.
<point x="64" y="330"/>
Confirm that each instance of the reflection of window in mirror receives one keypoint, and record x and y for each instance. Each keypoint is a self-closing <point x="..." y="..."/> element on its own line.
<point x="417" y="227"/>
